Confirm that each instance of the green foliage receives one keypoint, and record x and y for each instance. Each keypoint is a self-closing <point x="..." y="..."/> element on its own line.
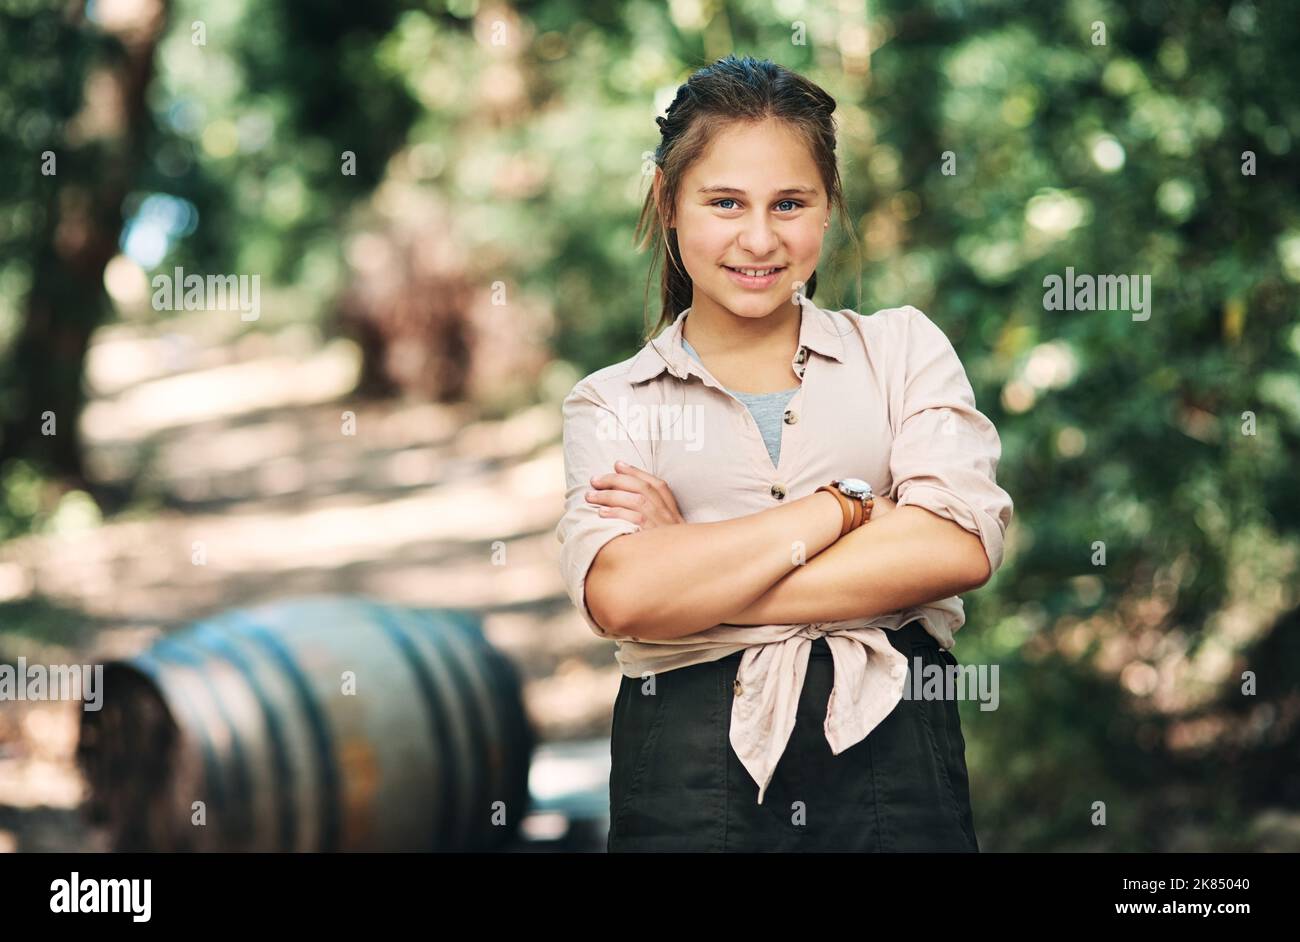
<point x="43" y="65"/>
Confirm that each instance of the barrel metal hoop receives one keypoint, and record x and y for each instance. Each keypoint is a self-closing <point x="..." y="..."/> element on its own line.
<point x="155" y="669"/>
<point x="326" y="770"/>
<point x="446" y="813"/>
<point x="221" y="643"/>
<point x="173" y="651"/>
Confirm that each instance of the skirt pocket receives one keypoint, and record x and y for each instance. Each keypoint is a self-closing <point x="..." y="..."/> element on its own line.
<point x="637" y="726"/>
<point x="942" y="720"/>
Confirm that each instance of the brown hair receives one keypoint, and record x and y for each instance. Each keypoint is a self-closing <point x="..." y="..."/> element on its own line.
<point x="729" y="90"/>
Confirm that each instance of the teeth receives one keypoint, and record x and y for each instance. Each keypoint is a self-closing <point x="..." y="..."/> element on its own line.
<point x="755" y="272"/>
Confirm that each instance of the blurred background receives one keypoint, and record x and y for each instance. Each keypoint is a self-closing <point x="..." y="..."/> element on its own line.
<point x="438" y="200"/>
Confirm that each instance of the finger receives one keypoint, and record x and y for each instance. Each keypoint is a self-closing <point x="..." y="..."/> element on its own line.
<point x="623" y="514"/>
<point x="621" y="482"/>
<point x="623" y="490"/>
<point x="625" y="468"/>
<point x="659" y="485"/>
<point x="610" y="498"/>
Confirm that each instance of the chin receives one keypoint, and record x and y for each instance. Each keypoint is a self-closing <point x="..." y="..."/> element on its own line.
<point x="769" y="297"/>
<point x="743" y="304"/>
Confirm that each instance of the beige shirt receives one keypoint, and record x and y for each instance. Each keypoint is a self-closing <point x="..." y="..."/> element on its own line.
<point x="883" y="398"/>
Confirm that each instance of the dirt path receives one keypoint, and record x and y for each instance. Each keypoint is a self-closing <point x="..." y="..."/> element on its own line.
<point x="242" y="457"/>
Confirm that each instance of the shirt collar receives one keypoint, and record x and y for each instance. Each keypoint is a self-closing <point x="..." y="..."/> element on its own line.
<point x="665" y="352"/>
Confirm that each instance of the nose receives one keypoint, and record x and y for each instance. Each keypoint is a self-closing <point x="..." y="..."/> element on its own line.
<point x="757" y="237"/>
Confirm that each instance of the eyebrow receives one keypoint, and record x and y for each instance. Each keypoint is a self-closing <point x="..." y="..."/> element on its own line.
<point x="788" y="191"/>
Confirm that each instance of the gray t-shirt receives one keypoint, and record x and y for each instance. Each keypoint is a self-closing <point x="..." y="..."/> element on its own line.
<point x="768" y="410"/>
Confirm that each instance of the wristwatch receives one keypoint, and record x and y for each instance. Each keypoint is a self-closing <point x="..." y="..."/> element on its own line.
<point x="856" y="500"/>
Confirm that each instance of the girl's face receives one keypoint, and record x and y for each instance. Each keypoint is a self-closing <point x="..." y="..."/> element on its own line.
<point x="753" y="201"/>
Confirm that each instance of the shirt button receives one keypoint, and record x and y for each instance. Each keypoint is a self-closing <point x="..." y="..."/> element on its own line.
<point x="778" y="492"/>
<point x="801" y="355"/>
<point x="791" y="417"/>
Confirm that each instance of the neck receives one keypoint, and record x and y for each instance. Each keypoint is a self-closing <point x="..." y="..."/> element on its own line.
<point x="711" y="328"/>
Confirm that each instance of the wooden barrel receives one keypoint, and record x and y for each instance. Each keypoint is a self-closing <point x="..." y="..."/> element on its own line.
<point x="251" y="714"/>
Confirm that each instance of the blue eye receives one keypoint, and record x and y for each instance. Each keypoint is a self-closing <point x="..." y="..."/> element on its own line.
<point x="728" y="199"/>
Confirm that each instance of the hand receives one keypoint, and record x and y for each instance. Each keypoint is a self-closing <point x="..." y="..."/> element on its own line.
<point x="635" y="495"/>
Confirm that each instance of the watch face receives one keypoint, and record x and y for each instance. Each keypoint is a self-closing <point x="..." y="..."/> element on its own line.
<point x="855" y="487"/>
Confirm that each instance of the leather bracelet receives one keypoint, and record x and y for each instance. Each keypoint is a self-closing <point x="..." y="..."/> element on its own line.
<point x="846" y="507"/>
<point x="856" y="512"/>
<point x="867" y="506"/>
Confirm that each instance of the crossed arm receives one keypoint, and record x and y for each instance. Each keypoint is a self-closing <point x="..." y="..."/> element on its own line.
<point x="908" y="557"/>
<point x="675" y="580"/>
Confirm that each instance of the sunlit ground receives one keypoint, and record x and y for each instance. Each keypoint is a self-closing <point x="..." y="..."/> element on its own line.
<point x="260" y="493"/>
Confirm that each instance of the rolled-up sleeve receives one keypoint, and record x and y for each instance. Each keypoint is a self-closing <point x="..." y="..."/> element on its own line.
<point x="593" y="441"/>
<point x="945" y="452"/>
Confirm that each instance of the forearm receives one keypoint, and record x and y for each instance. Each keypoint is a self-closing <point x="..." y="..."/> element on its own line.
<point x="908" y="557"/>
<point x="670" y="581"/>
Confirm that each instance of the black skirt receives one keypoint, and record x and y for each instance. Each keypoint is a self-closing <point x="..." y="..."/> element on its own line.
<point x="677" y="785"/>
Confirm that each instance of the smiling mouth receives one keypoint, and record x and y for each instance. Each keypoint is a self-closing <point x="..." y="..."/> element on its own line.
<point x="755" y="272"/>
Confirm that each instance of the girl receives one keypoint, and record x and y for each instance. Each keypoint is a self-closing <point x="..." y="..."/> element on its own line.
<point x="726" y="522"/>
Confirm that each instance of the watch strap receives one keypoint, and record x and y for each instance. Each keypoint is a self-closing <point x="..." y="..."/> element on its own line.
<point x="846" y="507"/>
<point x="856" y="512"/>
